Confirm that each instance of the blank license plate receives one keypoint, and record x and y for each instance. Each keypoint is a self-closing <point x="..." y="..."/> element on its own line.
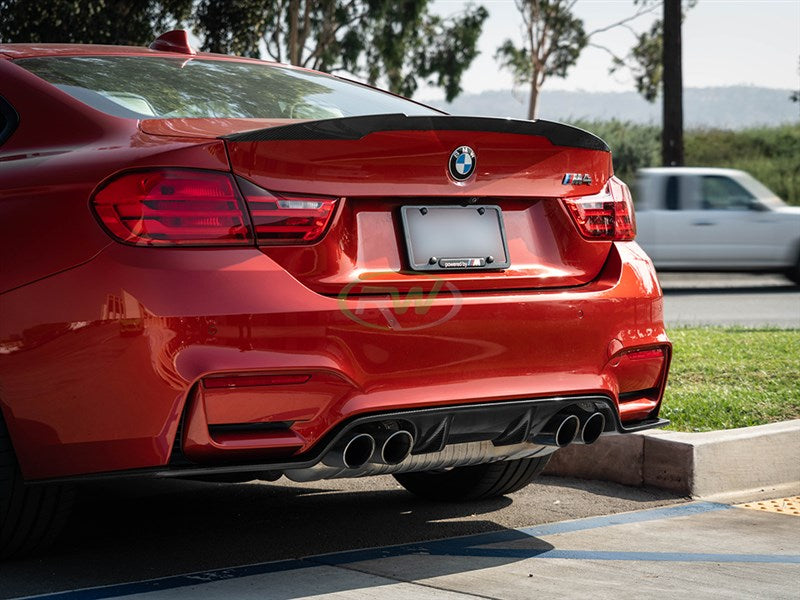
<point x="455" y="238"/>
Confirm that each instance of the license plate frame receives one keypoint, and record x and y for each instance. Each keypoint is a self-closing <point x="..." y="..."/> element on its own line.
<point x="485" y="250"/>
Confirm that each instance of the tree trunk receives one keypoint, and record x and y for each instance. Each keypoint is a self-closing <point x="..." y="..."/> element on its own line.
<point x="672" y="131"/>
<point x="294" y="54"/>
<point x="533" y="105"/>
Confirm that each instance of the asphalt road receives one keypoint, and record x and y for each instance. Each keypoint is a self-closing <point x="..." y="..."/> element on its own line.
<point x="132" y="531"/>
<point x="761" y="300"/>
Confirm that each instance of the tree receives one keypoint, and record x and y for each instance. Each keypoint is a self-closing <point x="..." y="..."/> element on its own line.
<point x="553" y="39"/>
<point x="89" y="21"/>
<point x="645" y="60"/>
<point x="374" y="39"/>
<point x="656" y="64"/>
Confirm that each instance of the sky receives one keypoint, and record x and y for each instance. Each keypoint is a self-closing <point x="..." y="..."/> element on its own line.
<point x="725" y="42"/>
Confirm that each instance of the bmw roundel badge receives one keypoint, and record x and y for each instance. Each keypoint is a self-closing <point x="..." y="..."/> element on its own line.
<point x="462" y="163"/>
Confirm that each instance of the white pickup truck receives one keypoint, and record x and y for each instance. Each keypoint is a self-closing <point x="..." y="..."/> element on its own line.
<point x="693" y="218"/>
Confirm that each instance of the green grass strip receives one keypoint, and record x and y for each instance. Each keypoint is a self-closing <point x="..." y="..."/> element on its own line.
<point x="723" y="378"/>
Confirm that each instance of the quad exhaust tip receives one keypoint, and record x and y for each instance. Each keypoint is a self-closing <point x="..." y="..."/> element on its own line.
<point x="592" y="428"/>
<point x="560" y="431"/>
<point x="358" y="451"/>
<point x="389" y="447"/>
<point x="394" y="448"/>
<point x="385" y="447"/>
<point x="352" y="453"/>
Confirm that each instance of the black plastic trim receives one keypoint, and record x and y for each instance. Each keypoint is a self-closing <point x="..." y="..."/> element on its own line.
<point x="646" y="393"/>
<point x="355" y="128"/>
<point x="250" y="427"/>
<point x="11" y="118"/>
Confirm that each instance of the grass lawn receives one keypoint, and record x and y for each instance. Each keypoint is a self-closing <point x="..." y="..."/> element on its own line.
<point x="722" y="378"/>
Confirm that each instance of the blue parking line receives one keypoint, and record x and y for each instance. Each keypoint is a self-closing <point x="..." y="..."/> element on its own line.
<point x="177" y="581"/>
<point x="456" y="546"/>
<point x="523" y="554"/>
<point x="460" y="546"/>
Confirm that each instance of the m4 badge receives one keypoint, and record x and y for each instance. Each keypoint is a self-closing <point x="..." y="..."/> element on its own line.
<point x="577" y="179"/>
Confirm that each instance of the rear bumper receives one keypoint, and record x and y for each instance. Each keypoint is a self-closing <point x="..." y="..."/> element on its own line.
<point x="100" y="365"/>
<point x="442" y="438"/>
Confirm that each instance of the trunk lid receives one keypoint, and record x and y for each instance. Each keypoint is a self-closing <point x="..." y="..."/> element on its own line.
<point x="376" y="165"/>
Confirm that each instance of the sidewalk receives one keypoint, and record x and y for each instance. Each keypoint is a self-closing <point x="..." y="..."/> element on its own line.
<point x="699" y="465"/>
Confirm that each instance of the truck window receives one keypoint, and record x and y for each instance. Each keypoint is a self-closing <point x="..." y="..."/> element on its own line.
<point x="672" y="194"/>
<point x="723" y="193"/>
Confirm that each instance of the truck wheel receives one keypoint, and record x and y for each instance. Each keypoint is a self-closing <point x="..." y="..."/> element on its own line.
<point x="30" y="516"/>
<point x="474" y="483"/>
<point x="793" y="273"/>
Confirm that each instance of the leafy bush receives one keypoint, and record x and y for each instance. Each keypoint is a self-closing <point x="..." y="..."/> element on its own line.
<point x="633" y="146"/>
<point x="770" y="154"/>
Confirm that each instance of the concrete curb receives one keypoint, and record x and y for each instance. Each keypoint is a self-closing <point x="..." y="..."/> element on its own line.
<point x="693" y="464"/>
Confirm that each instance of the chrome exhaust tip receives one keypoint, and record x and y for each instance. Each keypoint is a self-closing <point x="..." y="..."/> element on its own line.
<point x="358" y="451"/>
<point x="592" y="428"/>
<point x="560" y="431"/>
<point x="395" y="448"/>
<point x="352" y="454"/>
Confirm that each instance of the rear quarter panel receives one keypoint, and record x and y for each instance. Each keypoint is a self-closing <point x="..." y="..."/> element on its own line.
<point x="59" y="153"/>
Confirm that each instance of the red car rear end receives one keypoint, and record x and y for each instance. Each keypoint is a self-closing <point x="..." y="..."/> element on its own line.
<point x="305" y="277"/>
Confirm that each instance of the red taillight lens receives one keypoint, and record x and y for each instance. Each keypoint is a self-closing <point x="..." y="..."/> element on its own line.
<point x="607" y="215"/>
<point x="280" y="219"/>
<point x="173" y="207"/>
<point x="638" y="369"/>
<point x="651" y="354"/>
<point x="183" y="207"/>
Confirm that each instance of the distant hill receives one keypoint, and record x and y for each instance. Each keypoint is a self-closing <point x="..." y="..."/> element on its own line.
<point x="735" y="107"/>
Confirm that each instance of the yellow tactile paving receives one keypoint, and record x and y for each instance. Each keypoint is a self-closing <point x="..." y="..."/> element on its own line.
<point x="784" y="506"/>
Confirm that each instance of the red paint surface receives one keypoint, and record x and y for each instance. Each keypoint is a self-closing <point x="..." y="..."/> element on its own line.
<point x="103" y="346"/>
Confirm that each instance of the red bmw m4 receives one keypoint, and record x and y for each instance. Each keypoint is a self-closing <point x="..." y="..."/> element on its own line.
<point x="221" y="267"/>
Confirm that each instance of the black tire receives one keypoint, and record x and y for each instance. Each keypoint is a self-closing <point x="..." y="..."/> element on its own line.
<point x="474" y="483"/>
<point x="793" y="273"/>
<point x="30" y="516"/>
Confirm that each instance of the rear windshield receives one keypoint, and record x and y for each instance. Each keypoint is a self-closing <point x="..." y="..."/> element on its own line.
<point x="160" y="87"/>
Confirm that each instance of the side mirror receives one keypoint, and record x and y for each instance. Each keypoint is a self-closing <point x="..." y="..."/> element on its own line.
<point x="757" y="206"/>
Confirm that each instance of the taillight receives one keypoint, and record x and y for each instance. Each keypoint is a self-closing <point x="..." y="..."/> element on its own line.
<point x="286" y="218"/>
<point x="183" y="207"/>
<point x="651" y="354"/>
<point x="173" y="207"/>
<point x="638" y="370"/>
<point x="605" y="216"/>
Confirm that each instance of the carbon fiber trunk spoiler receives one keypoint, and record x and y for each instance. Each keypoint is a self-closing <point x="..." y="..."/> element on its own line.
<point x="355" y="128"/>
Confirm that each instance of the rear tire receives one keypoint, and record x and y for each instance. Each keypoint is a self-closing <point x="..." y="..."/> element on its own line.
<point x="474" y="483"/>
<point x="30" y="516"/>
